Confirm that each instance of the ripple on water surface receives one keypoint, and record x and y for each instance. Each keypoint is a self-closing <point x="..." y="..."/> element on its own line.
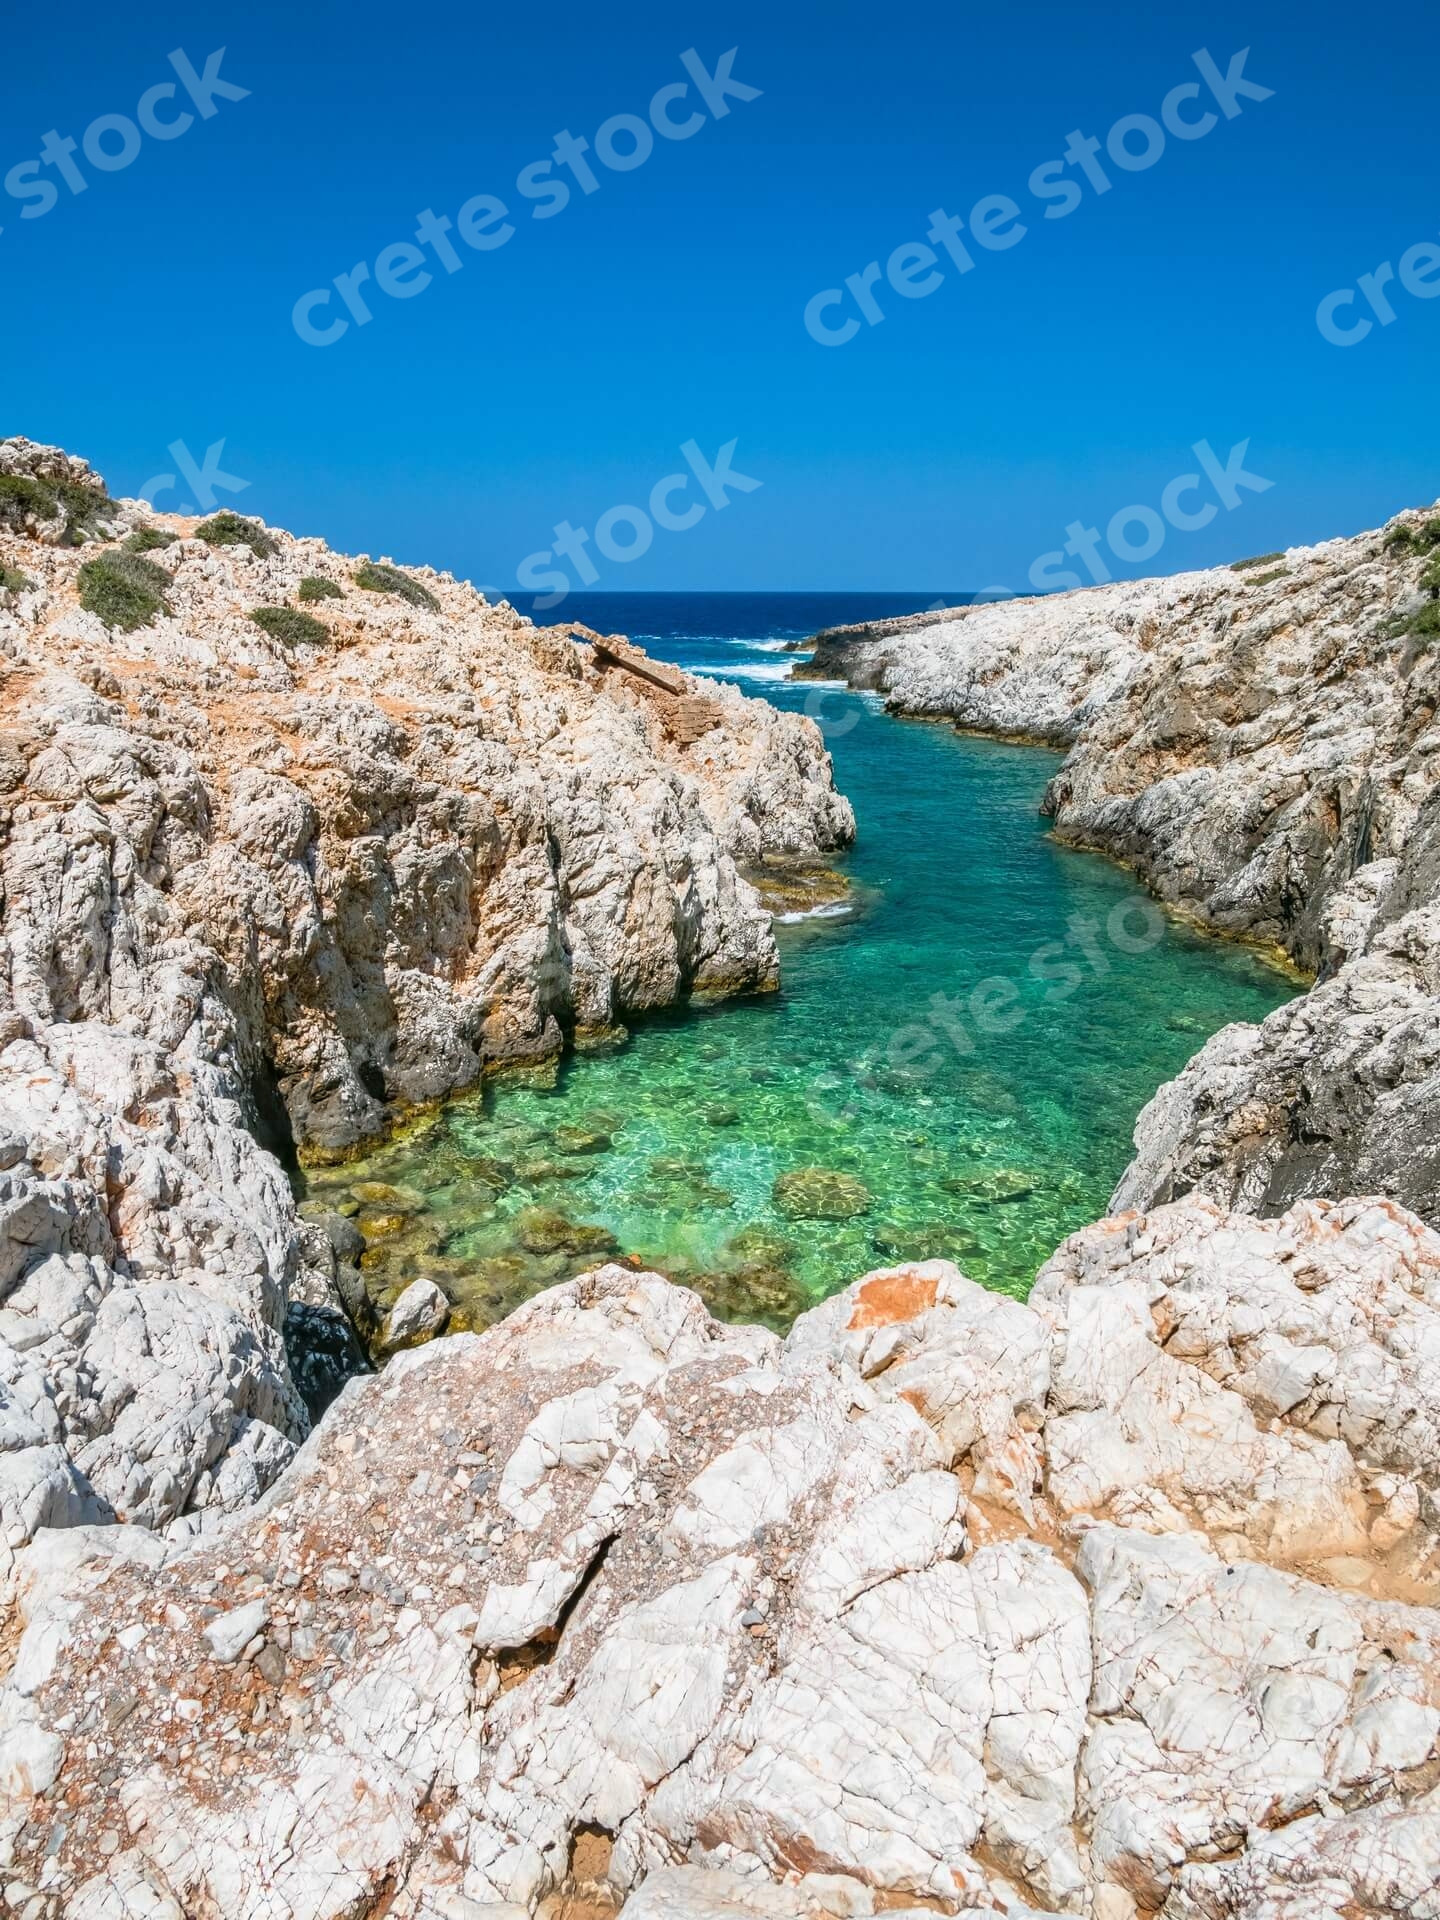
<point x="875" y="1110"/>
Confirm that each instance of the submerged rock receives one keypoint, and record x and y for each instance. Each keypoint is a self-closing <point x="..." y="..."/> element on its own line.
<point x="580" y="1140"/>
<point x="380" y="1196"/>
<point x="753" y="1295"/>
<point x="797" y="887"/>
<point x="761" y="1245"/>
<point x="936" y="1240"/>
<point x="817" y="1193"/>
<point x="535" y="1172"/>
<point x="545" y="1230"/>
<point x="997" y="1186"/>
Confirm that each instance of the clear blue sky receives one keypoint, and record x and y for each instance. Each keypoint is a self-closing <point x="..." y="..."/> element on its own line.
<point x="559" y="375"/>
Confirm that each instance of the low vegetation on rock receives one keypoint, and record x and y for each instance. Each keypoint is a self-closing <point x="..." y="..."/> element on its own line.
<point x="315" y="587"/>
<point x="1260" y="560"/>
<point x="11" y="580"/>
<point x="291" y="627"/>
<point x="375" y="577"/>
<point x="1406" y="539"/>
<point x="234" y="530"/>
<point x="29" y="501"/>
<point x="124" y="589"/>
<point x="147" y="540"/>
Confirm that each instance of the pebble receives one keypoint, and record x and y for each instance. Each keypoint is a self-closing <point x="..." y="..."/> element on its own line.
<point x="231" y="1634"/>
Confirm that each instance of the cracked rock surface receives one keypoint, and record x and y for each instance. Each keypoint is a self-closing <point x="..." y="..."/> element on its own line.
<point x="252" y="892"/>
<point x="1120" y="1603"/>
<point x="1261" y="747"/>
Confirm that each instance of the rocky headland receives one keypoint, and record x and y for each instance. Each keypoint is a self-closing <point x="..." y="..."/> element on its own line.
<point x="1121" y="1603"/>
<point x="290" y="840"/>
<point x="1259" y="743"/>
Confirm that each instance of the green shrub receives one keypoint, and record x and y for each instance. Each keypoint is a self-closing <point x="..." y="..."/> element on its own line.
<point x="1430" y="578"/>
<point x="1276" y="573"/>
<point x="20" y="497"/>
<point x="234" y="530"/>
<point x="375" y="578"/>
<point x="147" y="540"/>
<point x="11" y="581"/>
<point x="312" y="587"/>
<point x="1260" y="560"/>
<point x="1397" y="540"/>
<point x="126" y="590"/>
<point x="289" y="626"/>
<point x="1426" y="535"/>
<point x="23" y="498"/>
<point x="1427" y="620"/>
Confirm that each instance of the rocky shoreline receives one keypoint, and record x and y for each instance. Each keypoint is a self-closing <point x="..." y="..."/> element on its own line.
<point x="265" y="882"/>
<point x="1259" y="744"/>
<point x="1122" y="1603"/>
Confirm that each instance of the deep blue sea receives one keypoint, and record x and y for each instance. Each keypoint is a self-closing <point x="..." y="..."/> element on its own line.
<point x="919" y="1127"/>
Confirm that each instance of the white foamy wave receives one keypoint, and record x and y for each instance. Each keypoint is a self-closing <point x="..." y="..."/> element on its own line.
<point x="757" y="670"/>
<point x="832" y="912"/>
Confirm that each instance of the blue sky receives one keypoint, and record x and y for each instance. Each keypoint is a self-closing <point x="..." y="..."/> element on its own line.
<point x="559" y="375"/>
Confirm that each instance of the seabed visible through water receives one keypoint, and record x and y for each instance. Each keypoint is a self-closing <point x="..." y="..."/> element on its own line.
<point x="771" y="1150"/>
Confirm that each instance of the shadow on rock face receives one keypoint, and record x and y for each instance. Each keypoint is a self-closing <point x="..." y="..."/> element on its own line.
<point x="323" y="1352"/>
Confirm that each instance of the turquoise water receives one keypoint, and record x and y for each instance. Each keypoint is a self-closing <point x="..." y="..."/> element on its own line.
<point x="983" y="1140"/>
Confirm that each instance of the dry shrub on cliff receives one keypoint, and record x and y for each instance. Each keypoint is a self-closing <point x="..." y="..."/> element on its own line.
<point x="124" y="589"/>
<point x="147" y="540"/>
<point x="27" y="502"/>
<point x="315" y="587"/>
<point x="289" y="626"/>
<point x="375" y="577"/>
<point x="234" y="530"/>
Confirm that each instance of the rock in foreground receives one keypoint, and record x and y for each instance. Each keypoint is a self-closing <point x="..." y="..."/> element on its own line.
<point x="1120" y="1602"/>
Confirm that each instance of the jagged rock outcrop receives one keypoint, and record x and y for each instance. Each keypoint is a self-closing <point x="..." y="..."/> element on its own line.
<point x="256" y="889"/>
<point x="1261" y="746"/>
<point x="1118" y="1603"/>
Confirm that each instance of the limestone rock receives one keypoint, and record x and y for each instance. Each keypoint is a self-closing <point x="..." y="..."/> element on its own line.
<point x="1117" y="1603"/>
<point x="419" y="1313"/>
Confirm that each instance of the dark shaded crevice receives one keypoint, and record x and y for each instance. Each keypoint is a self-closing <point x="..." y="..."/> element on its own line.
<point x="514" y="1663"/>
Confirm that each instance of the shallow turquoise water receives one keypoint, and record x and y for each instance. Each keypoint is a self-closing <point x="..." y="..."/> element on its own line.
<point x="987" y="1146"/>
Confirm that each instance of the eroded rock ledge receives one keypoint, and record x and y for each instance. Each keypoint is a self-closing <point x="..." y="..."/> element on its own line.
<point x="255" y="890"/>
<point x="1120" y="1603"/>
<point x="1260" y="744"/>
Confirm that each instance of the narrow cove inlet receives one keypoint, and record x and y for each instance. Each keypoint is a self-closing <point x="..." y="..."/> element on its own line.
<point x="952" y="1067"/>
